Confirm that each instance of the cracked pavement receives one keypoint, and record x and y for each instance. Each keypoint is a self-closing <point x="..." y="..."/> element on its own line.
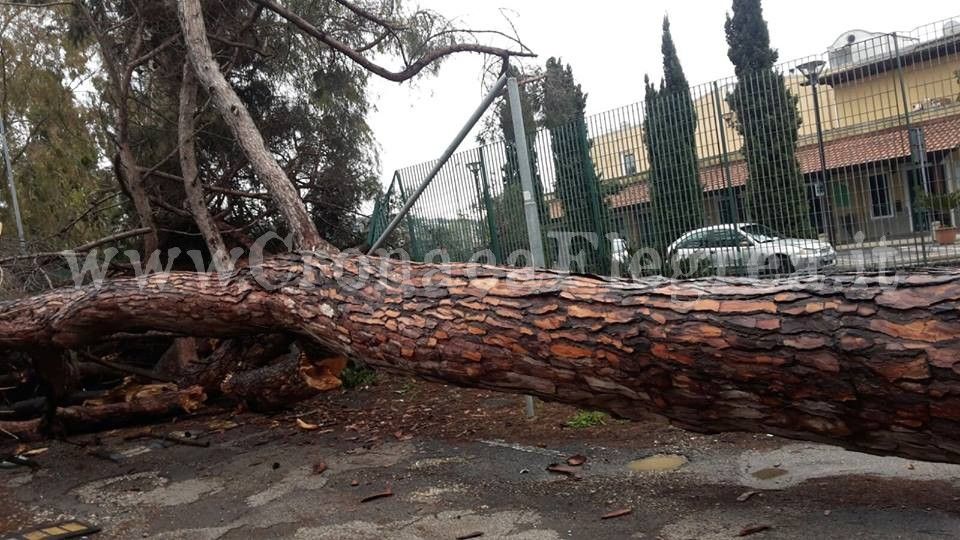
<point x="258" y="480"/>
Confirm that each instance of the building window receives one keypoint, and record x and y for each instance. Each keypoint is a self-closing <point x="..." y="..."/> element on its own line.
<point x="841" y="194"/>
<point x="629" y="164"/>
<point x="880" y="199"/>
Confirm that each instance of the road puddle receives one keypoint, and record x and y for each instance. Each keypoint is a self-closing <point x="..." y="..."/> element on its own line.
<point x="769" y="474"/>
<point x="658" y="463"/>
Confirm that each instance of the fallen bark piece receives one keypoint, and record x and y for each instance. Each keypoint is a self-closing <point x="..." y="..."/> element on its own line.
<point x="131" y="390"/>
<point x="744" y="497"/>
<point x="754" y="529"/>
<point x="221" y="426"/>
<point x="382" y="495"/>
<point x="564" y="470"/>
<point x="618" y="513"/>
<point x="27" y="452"/>
<point x="307" y="426"/>
<point x="866" y="362"/>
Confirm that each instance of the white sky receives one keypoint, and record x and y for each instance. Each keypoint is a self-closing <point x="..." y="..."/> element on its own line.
<point x="610" y="45"/>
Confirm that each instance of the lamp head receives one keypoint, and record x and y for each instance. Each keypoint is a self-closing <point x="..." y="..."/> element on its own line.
<point x="812" y="69"/>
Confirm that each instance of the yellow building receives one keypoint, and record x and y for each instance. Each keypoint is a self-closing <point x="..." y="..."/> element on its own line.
<point x="872" y="178"/>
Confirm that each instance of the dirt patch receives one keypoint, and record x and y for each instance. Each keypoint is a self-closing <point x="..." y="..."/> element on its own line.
<point x="401" y="408"/>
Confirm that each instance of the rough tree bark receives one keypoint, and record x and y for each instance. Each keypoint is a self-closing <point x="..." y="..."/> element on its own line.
<point x="133" y="183"/>
<point x="120" y="75"/>
<point x="186" y="128"/>
<point x="297" y="377"/>
<point x="99" y="417"/>
<point x="844" y="360"/>
<point x="238" y="119"/>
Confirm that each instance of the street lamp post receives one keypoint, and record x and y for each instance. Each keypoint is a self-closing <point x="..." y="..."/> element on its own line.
<point x="479" y="170"/>
<point x="812" y="71"/>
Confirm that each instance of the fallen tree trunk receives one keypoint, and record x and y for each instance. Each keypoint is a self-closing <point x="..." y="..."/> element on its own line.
<point x="87" y="418"/>
<point x="855" y="362"/>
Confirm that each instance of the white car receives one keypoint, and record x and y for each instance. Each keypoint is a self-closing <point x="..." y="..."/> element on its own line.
<point x="753" y="248"/>
<point x="620" y="253"/>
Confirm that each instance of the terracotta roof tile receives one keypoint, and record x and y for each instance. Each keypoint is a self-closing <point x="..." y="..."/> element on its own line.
<point x="941" y="134"/>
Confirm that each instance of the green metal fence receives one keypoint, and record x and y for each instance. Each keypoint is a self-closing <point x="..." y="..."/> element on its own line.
<point x="846" y="160"/>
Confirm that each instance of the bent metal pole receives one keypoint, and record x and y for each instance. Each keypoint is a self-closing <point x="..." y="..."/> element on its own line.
<point x="481" y="109"/>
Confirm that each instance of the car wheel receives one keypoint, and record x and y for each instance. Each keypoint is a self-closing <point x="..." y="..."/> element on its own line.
<point x="779" y="265"/>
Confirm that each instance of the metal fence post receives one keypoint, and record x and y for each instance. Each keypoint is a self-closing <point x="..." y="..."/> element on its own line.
<point x="530" y="210"/>
<point x="14" y="202"/>
<point x="416" y="253"/>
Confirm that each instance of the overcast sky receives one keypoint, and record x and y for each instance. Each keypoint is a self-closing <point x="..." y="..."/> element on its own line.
<point x="611" y="44"/>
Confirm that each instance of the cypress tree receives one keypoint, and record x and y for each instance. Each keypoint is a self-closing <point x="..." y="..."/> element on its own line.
<point x="511" y="220"/>
<point x="676" y="195"/>
<point x="768" y="120"/>
<point x="577" y="184"/>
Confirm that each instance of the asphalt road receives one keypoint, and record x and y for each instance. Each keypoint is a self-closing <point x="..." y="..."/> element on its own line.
<point x="261" y="480"/>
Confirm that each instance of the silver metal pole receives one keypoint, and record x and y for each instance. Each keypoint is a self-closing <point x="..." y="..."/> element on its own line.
<point x="530" y="209"/>
<point x="905" y="97"/>
<point x="484" y="105"/>
<point x="13" y="188"/>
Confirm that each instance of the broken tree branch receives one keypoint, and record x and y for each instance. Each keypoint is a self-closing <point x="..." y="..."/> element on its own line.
<point x="79" y="250"/>
<point x="410" y="70"/>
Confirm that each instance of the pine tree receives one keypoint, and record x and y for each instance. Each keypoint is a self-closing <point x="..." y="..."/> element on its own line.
<point x="768" y="120"/>
<point x="676" y="194"/>
<point x="577" y="184"/>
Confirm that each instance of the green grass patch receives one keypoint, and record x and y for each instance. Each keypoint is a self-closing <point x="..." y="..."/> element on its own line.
<point x="587" y="419"/>
<point x="356" y="376"/>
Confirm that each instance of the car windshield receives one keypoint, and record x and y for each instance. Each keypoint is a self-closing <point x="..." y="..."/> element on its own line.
<point x="761" y="233"/>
